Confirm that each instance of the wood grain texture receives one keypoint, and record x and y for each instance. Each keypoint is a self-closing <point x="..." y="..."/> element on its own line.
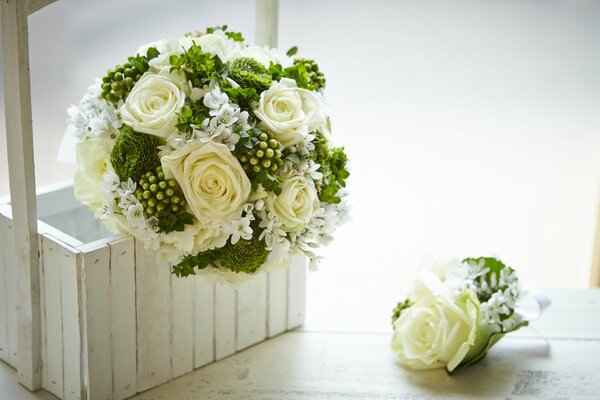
<point x="53" y="358"/>
<point x="277" y="302"/>
<point x="123" y="317"/>
<point x="97" y="326"/>
<point x="9" y="294"/>
<point x="182" y="334"/>
<point x="19" y="138"/>
<point x="225" y="320"/>
<point x="153" y="307"/>
<point x="204" y="322"/>
<point x="251" y="312"/>
<point x="70" y="298"/>
<point x="4" y="352"/>
<point x="297" y="272"/>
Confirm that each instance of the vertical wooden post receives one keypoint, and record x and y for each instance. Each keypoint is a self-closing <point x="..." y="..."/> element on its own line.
<point x="19" y="138"/>
<point x="595" y="270"/>
<point x="267" y="13"/>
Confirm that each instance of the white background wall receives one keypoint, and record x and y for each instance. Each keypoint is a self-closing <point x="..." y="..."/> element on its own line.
<point x="473" y="126"/>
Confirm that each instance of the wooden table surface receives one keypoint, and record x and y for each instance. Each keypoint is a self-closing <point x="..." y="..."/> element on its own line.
<point x="558" y="357"/>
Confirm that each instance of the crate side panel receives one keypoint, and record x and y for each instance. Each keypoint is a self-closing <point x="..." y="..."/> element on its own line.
<point x="252" y="312"/>
<point x="70" y="289"/>
<point x="96" y="267"/>
<point x="4" y="287"/>
<point x="52" y="258"/>
<point x="153" y="300"/>
<point x="122" y="269"/>
<point x="277" y="302"/>
<point x="225" y="320"/>
<point x="297" y="275"/>
<point x="204" y="318"/>
<point x="182" y="335"/>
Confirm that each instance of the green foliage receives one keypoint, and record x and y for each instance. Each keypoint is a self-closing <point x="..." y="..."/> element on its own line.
<point x="292" y="51"/>
<point x="398" y="310"/>
<point x="316" y="79"/>
<point x="270" y="182"/>
<point x="134" y="154"/>
<point x="198" y="66"/>
<point x="495" y="266"/>
<point x="333" y="167"/>
<point x="118" y="81"/>
<point x="249" y="73"/>
<point x="243" y="97"/>
<point x="191" y="114"/>
<point x="244" y="256"/>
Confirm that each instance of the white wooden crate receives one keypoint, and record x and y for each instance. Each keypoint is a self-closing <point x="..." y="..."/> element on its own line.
<point x="115" y="322"/>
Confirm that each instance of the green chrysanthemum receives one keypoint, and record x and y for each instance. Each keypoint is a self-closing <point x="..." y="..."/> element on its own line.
<point x="244" y="256"/>
<point x="134" y="154"/>
<point x="249" y="73"/>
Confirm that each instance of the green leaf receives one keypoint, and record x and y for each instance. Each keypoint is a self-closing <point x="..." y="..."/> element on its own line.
<point x="270" y="182"/>
<point x="292" y="51"/>
<point x="294" y="157"/>
<point x="237" y="36"/>
<point x="152" y="53"/>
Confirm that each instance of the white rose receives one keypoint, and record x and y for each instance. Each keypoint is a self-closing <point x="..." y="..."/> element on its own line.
<point x="437" y="331"/>
<point x="212" y="180"/>
<point x="153" y="104"/>
<point x="289" y="112"/>
<point x="296" y="204"/>
<point x="266" y="56"/>
<point x="219" y="44"/>
<point x="93" y="161"/>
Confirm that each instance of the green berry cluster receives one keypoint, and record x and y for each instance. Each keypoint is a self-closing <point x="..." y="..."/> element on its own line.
<point x="159" y="196"/>
<point x="118" y="81"/>
<point x="315" y="77"/>
<point x="263" y="155"/>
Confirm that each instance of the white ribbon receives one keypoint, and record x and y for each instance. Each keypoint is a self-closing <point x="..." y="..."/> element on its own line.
<point x="532" y="305"/>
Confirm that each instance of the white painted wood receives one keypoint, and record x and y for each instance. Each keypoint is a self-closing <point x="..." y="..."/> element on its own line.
<point x="266" y="22"/>
<point x="53" y="358"/>
<point x="252" y="312"/>
<point x="225" y="320"/>
<point x="43" y="323"/>
<point x="4" y="286"/>
<point x="182" y="335"/>
<point x="297" y="272"/>
<point x="153" y="301"/>
<point x="277" y="302"/>
<point x="70" y="293"/>
<point x="19" y="138"/>
<point x="123" y="317"/>
<point x="97" y="325"/>
<point x="204" y="322"/>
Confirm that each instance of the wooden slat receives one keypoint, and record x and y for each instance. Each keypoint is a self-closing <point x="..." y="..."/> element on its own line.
<point x="35" y="5"/>
<point x="296" y="291"/>
<point x="182" y="335"/>
<point x="277" y="302"/>
<point x="266" y="22"/>
<point x="252" y="312"/>
<point x="122" y="311"/>
<point x="225" y="319"/>
<point x="6" y="282"/>
<point x="70" y="292"/>
<point x="96" y="265"/>
<point x="204" y="322"/>
<point x="53" y="358"/>
<point x="153" y="300"/>
<point x="19" y="138"/>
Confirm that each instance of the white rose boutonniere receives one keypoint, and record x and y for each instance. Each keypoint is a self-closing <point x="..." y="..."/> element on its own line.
<point x="296" y="204"/>
<point x="289" y="112"/>
<point x="456" y="311"/>
<point x="212" y="180"/>
<point x="153" y="104"/>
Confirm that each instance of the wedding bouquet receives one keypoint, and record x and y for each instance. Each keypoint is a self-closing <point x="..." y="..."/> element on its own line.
<point x="455" y="312"/>
<point x="216" y="153"/>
